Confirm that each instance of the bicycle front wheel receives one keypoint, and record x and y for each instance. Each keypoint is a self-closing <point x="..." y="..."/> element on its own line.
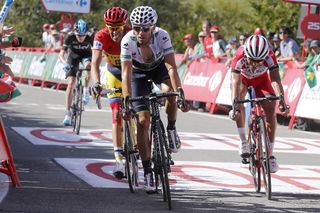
<point x="264" y="157"/>
<point x="254" y="166"/>
<point x="164" y="166"/>
<point x="79" y="106"/>
<point x="131" y="157"/>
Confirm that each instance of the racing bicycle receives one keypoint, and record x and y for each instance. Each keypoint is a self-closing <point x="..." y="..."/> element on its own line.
<point x="129" y="152"/>
<point x="77" y="102"/>
<point x="161" y="153"/>
<point x="258" y="141"/>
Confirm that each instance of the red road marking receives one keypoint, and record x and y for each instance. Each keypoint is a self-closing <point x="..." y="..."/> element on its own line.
<point x="38" y="133"/>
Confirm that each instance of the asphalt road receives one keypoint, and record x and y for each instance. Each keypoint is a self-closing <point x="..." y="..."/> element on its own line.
<point x="47" y="186"/>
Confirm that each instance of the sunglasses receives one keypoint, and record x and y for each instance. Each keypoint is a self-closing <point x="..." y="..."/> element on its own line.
<point x="144" y="29"/>
<point x="81" y="36"/>
<point x="255" y="61"/>
<point x="282" y="33"/>
<point x="115" y="28"/>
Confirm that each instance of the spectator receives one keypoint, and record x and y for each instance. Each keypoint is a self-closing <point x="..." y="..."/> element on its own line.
<point x="259" y="31"/>
<point x="269" y="36"/>
<point x="242" y="38"/>
<point x="310" y="55"/>
<point x="315" y="49"/>
<point x="55" y="40"/>
<point x="46" y="37"/>
<point x="230" y="50"/>
<point x="276" y="45"/>
<point x="63" y="34"/>
<point x="199" y="47"/>
<point x="207" y="42"/>
<point x="190" y="44"/>
<point x="288" y="47"/>
<point x="218" y="45"/>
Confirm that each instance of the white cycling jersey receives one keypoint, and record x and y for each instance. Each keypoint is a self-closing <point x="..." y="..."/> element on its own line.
<point x="160" y="45"/>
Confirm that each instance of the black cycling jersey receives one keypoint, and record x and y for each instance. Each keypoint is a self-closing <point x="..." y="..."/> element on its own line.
<point x="76" y="48"/>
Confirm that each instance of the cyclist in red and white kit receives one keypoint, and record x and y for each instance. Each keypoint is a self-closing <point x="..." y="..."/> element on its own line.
<point x="252" y="65"/>
<point x="107" y="43"/>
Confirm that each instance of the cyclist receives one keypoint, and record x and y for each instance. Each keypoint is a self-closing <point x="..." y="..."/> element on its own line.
<point x="107" y="42"/>
<point x="250" y="67"/>
<point x="78" y="45"/>
<point x="147" y="53"/>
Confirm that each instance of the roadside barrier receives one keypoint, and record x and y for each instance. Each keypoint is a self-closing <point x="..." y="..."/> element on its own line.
<point x="7" y="165"/>
<point x="204" y="80"/>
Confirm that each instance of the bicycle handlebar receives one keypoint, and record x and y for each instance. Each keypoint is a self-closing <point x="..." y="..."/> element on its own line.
<point x="154" y="95"/>
<point x="257" y="100"/>
<point x="103" y="93"/>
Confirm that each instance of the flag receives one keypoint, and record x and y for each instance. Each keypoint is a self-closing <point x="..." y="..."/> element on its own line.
<point x="310" y="76"/>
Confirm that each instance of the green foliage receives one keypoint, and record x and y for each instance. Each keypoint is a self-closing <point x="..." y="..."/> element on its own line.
<point x="177" y="17"/>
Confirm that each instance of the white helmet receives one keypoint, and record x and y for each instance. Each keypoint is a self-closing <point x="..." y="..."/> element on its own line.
<point x="143" y="15"/>
<point x="256" y="47"/>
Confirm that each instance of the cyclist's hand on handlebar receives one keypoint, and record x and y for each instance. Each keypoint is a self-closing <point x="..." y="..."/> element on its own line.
<point x="283" y="107"/>
<point x="125" y="108"/>
<point x="66" y="67"/>
<point x="181" y="102"/>
<point x="235" y="112"/>
<point x="95" y="90"/>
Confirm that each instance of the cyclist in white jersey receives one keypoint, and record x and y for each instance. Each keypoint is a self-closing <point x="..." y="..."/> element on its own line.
<point x="147" y="53"/>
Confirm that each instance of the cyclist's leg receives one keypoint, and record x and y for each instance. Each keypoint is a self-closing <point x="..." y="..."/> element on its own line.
<point x="271" y="122"/>
<point x="240" y="121"/>
<point x="139" y="88"/>
<point x="113" y="80"/>
<point x="71" y="76"/>
<point x="87" y="65"/>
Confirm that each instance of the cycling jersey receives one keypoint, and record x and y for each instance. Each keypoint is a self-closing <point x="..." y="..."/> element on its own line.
<point x="142" y="72"/>
<point x="111" y="51"/>
<point x="76" y="48"/>
<point x="160" y="45"/>
<point x="239" y="64"/>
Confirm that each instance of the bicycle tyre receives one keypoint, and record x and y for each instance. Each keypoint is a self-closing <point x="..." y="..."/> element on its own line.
<point x="79" y="108"/>
<point x="264" y="158"/>
<point x="131" y="159"/>
<point x="164" y="167"/>
<point x="74" y="110"/>
<point x="253" y="162"/>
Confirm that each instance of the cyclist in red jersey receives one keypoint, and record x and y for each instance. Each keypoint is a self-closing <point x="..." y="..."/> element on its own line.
<point x="252" y="65"/>
<point x="107" y="42"/>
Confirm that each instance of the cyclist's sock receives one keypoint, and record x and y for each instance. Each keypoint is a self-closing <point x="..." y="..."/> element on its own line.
<point x="271" y="146"/>
<point x="171" y="124"/>
<point x="146" y="166"/>
<point x="118" y="153"/>
<point x="242" y="134"/>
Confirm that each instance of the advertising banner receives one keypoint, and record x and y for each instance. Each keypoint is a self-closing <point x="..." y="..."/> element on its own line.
<point x="69" y="6"/>
<point x="203" y="80"/>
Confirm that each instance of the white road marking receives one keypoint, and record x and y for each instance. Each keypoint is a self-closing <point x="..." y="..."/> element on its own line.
<point x="194" y="141"/>
<point x="187" y="175"/>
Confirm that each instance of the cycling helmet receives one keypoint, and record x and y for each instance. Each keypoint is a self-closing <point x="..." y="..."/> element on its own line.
<point x="143" y="15"/>
<point x="115" y="16"/>
<point x="81" y="27"/>
<point x="256" y="47"/>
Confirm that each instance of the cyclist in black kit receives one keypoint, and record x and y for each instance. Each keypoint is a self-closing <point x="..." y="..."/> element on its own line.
<point x="77" y="44"/>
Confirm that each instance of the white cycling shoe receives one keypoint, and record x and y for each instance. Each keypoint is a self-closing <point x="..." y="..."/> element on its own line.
<point x="67" y="120"/>
<point x="244" y="150"/>
<point x="86" y="98"/>
<point x="119" y="169"/>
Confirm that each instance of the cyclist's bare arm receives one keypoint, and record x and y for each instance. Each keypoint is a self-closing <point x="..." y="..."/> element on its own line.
<point x="277" y="86"/>
<point x="235" y="87"/>
<point x="95" y="64"/>
<point x="126" y="75"/>
<point x="62" y="56"/>
<point x="170" y="63"/>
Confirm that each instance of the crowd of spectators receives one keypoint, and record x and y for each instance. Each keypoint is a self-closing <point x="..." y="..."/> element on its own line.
<point x="53" y="39"/>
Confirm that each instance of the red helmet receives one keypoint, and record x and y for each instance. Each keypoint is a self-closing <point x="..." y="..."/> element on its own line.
<point x="115" y="16"/>
<point x="45" y="26"/>
<point x="258" y="31"/>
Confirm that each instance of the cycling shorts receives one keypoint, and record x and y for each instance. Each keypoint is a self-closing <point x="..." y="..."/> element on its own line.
<point x="74" y="61"/>
<point x="261" y="84"/>
<point x="140" y="85"/>
<point x="116" y="113"/>
<point x="113" y="80"/>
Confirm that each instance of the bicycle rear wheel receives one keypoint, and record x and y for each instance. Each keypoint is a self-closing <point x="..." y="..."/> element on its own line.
<point x="79" y="106"/>
<point x="164" y="166"/>
<point x="131" y="158"/>
<point x="264" y="158"/>
<point x="254" y="166"/>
